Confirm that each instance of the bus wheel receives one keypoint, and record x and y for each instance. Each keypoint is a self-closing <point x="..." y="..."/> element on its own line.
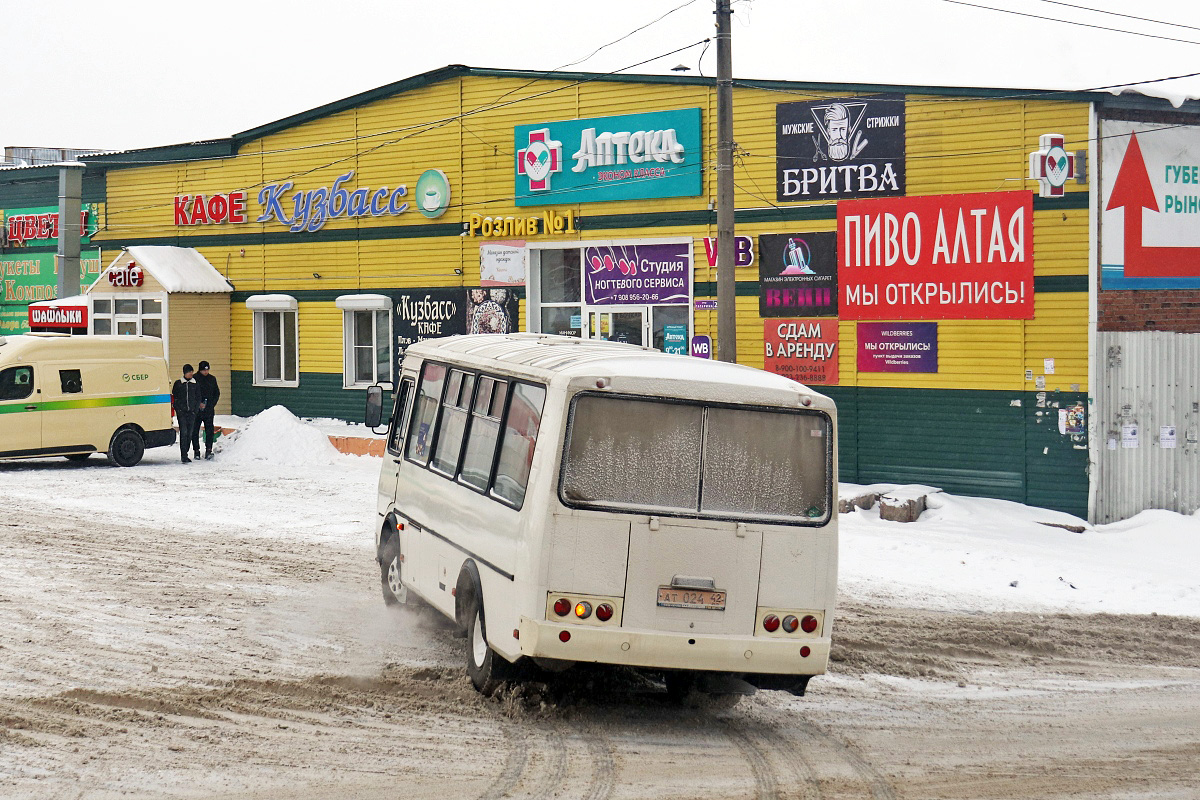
<point x="394" y="592"/>
<point x="487" y="669"/>
<point x="126" y="448"/>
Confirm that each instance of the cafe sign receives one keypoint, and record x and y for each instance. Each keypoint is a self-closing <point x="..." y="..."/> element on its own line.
<point x="308" y="210"/>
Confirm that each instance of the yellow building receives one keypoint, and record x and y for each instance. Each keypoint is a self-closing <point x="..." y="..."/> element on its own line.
<point x="895" y="253"/>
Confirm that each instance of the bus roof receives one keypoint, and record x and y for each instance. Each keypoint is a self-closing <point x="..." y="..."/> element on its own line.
<point x="565" y="359"/>
<point x="32" y="346"/>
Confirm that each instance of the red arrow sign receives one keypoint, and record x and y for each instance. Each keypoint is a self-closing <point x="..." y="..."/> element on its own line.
<point x="1133" y="191"/>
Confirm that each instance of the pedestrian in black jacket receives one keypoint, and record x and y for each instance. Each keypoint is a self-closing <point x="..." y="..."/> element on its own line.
<point x="185" y="395"/>
<point x="210" y="393"/>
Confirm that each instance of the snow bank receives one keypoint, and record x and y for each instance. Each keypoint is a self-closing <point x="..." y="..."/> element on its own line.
<point x="279" y="437"/>
<point x="981" y="554"/>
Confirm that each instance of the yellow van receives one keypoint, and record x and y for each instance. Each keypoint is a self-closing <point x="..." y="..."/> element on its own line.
<point x="72" y="396"/>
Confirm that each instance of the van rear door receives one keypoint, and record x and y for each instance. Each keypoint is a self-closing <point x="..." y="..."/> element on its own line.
<point x="692" y="576"/>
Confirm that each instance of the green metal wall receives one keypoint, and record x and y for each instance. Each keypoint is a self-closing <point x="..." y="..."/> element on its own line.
<point x="983" y="443"/>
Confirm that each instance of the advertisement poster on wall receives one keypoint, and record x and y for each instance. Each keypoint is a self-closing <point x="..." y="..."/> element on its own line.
<point x="797" y="274"/>
<point x="628" y="157"/>
<point x="897" y="347"/>
<point x="502" y="264"/>
<point x="804" y="350"/>
<point x="422" y="314"/>
<point x="638" y="274"/>
<point x="965" y="256"/>
<point x="836" y="149"/>
<point x="1150" y="201"/>
<point x="31" y="277"/>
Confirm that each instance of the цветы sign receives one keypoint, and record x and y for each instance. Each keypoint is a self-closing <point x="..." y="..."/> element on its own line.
<point x="965" y="256"/>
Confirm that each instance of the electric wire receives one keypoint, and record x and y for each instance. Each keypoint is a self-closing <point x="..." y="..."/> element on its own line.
<point x="1071" y="22"/>
<point x="1118" y="14"/>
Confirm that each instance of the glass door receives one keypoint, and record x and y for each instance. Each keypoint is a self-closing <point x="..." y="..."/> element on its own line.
<point x="619" y="324"/>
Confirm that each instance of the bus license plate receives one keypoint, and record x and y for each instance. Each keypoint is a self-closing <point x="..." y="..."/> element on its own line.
<point x="674" y="597"/>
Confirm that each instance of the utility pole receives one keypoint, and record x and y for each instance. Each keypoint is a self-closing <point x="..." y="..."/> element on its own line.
<point x="726" y="283"/>
<point x="70" y="190"/>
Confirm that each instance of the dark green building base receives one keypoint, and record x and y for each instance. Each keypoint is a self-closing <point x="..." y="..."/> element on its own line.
<point x="984" y="443"/>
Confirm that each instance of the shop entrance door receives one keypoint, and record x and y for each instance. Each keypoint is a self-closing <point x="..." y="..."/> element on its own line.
<point x="620" y="324"/>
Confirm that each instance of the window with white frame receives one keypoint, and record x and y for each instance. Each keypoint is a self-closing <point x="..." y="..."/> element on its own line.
<point x="276" y="348"/>
<point x="367" y="335"/>
<point x="128" y="315"/>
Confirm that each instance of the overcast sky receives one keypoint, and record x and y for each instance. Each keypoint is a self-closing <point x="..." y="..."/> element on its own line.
<point x="138" y="73"/>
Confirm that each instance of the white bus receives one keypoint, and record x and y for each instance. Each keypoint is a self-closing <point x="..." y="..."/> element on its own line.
<point x="569" y="500"/>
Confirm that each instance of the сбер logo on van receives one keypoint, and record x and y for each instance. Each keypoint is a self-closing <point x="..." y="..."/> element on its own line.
<point x="627" y="157"/>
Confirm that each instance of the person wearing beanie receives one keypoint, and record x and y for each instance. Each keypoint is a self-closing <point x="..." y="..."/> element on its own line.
<point x="185" y="397"/>
<point x="210" y="393"/>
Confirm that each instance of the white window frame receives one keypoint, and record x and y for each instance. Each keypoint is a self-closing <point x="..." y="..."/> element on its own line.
<point x="279" y="303"/>
<point x="352" y="304"/>
<point x="113" y="317"/>
<point x="533" y="276"/>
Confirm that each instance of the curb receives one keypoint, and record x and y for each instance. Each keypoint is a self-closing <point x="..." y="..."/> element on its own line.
<point x="350" y="445"/>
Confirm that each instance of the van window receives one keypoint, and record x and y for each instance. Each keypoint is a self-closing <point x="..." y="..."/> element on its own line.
<point x="429" y="396"/>
<point x="404" y="398"/>
<point x="715" y="461"/>
<point x="779" y="462"/>
<point x="517" y="443"/>
<point x="70" y="381"/>
<point x="634" y="454"/>
<point x="16" y="383"/>
<point x="484" y="433"/>
<point x="459" y="393"/>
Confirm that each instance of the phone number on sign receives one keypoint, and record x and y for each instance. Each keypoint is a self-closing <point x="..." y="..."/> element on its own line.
<point x="636" y="298"/>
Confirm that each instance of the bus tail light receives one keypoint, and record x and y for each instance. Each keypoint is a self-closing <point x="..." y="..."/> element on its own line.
<point x="788" y="622"/>
<point x="584" y="609"/>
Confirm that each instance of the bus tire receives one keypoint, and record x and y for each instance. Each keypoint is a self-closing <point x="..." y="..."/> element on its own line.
<point x="486" y="668"/>
<point x="126" y="448"/>
<point x="394" y="592"/>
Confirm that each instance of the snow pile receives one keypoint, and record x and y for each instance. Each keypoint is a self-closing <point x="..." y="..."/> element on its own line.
<point x="980" y="554"/>
<point x="279" y="437"/>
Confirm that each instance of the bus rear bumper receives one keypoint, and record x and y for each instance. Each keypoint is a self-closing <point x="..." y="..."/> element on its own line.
<point x="657" y="650"/>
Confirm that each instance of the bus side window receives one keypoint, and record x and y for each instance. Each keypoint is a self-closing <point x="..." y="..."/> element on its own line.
<point x="425" y="416"/>
<point x="484" y="433"/>
<point x="404" y="400"/>
<point x="521" y="426"/>
<point x="16" y="383"/>
<point x="70" y="380"/>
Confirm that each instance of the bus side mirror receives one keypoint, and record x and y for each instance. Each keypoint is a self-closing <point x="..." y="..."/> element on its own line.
<point x="374" y="412"/>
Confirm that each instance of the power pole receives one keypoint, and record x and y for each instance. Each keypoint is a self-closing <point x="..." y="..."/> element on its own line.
<point x="726" y="282"/>
<point x="70" y="191"/>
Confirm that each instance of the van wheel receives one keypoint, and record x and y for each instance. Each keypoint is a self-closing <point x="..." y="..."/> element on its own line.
<point x="126" y="448"/>
<point x="79" y="456"/>
<point x="394" y="592"/>
<point x="487" y="668"/>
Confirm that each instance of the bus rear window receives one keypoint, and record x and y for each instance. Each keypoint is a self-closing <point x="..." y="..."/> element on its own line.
<point x="732" y="462"/>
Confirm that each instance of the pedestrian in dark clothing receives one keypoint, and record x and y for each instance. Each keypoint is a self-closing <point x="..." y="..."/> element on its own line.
<point x="185" y="395"/>
<point x="210" y="393"/>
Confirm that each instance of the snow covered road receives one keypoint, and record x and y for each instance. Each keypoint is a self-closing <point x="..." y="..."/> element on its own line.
<point x="215" y="630"/>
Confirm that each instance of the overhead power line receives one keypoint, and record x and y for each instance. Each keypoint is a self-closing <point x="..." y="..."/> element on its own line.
<point x="1118" y="14"/>
<point x="1071" y="22"/>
